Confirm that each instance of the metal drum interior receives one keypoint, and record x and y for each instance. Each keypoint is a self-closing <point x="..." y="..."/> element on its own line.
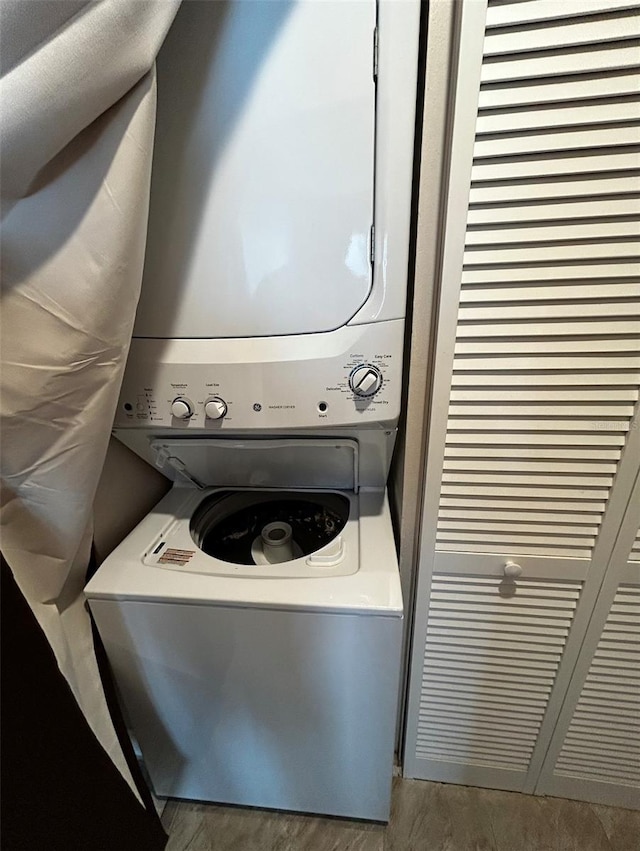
<point x="252" y="527"/>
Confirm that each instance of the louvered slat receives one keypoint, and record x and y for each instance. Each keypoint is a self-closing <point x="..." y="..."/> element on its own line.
<point x="540" y="345"/>
<point x="563" y="33"/>
<point x="533" y="211"/>
<point x="612" y="270"/>
<point x="596" y="57"/>
<point x="540" y="142"/>
<point x="609" y="701"/>
<point x="496" y="379"/>
<point x="595" y="454"/>
<point x="535" y="253"/>
<point x="500" y="657"/>
<point x="563" y="115"/>
<point x="565" y="89"/>
<point x="559" y="292"/>
<point x="531" y="11"/>
<point x="580" y="423"/>
<point x="558" y="231"/>
<point x="556" y="174"/>
<point x="635" y="549"/>
<point x="621" y="332"/>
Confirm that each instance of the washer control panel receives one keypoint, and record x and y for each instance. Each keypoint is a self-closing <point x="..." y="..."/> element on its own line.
<point x="215" y="408"/>
<point x="365" y="380"/>
<point x="345" y="377"/>
<point x="181" y="408"/>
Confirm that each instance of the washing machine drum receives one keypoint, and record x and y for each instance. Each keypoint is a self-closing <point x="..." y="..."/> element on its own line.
<point x="243" y="527"/>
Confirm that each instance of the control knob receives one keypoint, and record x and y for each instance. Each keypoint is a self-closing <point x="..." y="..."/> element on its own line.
<point x="181" y="408"/>
<point x="365" y="380"/>
<point x="215" y="408"/>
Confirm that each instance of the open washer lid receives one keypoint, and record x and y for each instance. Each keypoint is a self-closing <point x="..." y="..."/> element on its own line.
<point x="294" y="463"/>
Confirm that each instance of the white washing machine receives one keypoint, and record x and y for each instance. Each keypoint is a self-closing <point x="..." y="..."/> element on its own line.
<point x="253" y="620"/>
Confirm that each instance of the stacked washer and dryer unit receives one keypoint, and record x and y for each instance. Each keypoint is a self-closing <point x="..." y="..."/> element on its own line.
<point x="253" y="619"/>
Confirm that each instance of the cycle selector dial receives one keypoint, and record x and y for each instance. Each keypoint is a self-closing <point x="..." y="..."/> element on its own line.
<point x="365" y="380"/>
<point x="215" y="408"/>
<point x="181" y="408"/>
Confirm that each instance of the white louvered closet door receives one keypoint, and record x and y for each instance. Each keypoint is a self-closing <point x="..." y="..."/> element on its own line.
<point x="595" y="750"/>
<point x="531" y="453"/>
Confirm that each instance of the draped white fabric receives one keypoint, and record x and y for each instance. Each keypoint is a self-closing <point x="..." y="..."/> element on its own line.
<point x="77" y="124"/>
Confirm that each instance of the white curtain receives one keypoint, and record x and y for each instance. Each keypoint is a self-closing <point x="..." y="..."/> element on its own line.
<point x="77" y="124"/>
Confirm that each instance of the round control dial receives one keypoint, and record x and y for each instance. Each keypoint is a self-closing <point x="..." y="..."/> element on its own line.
<point x="365" y="380"/>
<point x="181" y="408"/>
<point x="215" y="408"/>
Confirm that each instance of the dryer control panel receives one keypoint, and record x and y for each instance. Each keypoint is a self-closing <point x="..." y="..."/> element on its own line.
<point x="345" y="377"/>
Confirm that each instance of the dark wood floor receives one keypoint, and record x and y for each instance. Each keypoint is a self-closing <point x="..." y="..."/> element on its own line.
<point x="424" y="817"/>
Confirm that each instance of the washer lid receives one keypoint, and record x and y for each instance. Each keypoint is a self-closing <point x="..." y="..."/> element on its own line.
<point x="258" y="463"/>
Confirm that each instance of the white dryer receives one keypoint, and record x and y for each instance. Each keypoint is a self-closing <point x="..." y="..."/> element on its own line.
<point x="253" y="619"/>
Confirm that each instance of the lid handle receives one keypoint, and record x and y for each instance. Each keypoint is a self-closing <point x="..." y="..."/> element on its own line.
<point x="163" y="457"/>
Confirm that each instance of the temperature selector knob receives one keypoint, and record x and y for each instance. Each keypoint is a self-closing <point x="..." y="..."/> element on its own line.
<point x="365" y="380"/>
<point x="215" y="408"/>
<point x="181" y="408"/>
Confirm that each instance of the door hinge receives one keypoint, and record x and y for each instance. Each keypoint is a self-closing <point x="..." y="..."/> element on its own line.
<point x="372" y="245"/>
<point x="375" y="54"/>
